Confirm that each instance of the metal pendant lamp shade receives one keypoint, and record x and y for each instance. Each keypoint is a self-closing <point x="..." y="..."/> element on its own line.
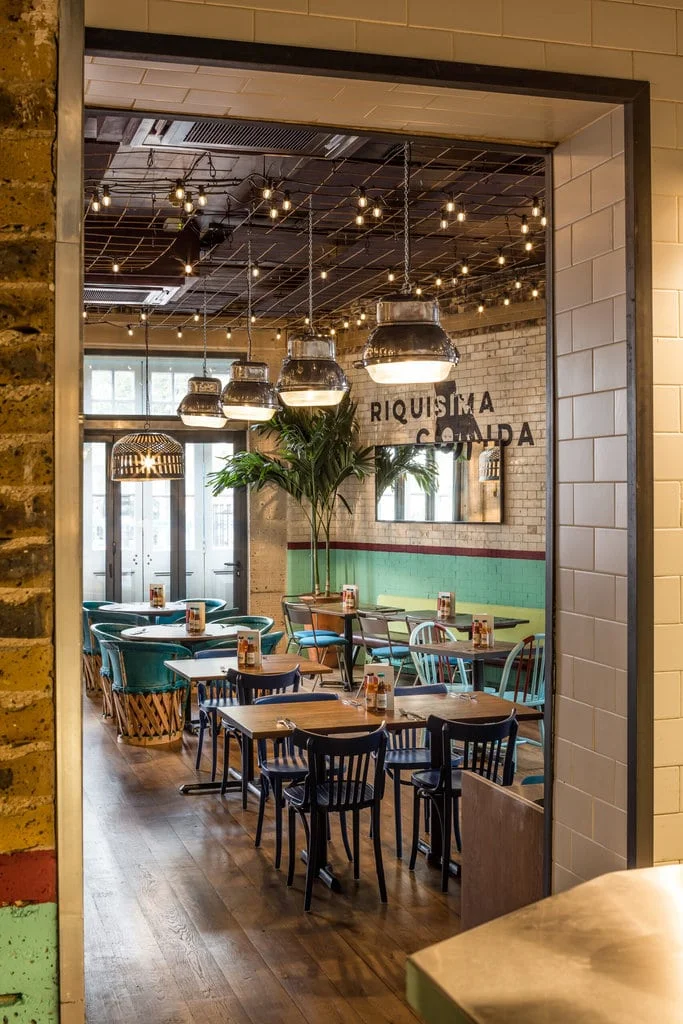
<point x="310" y="375"/>
<point x="409" y="345"/>
<point x="148" y="455"/>
<point x="201" y="406"/>
<point x="489" y="465"/>
<point x="249" y="395"/>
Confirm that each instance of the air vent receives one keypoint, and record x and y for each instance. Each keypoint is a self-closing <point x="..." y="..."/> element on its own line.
<point x="243" y="137"/>
<point x="129" y="296"/>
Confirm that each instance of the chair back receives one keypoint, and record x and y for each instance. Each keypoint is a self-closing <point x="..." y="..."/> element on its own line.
<point x="250" y="687"/>
<point x="101" y="617"/>
<point x="138" y="667"/>
<point x="214" y="613"/>
<point x="341" y="766"/>
<point x="523" y="678"/>
<point x="87" y="607"/>
<point x="373" y="627"/>
<point x="486" y="748"/>
<point x="213" y="606"/>
<point x="406" y="739"/>
<point x="437" y="668"/>
<point x="269" y="641"/>
<point x="216" y="651"/>
<point x="286" y="743"/>
<point x="106" y="631"/>
<point x="261" y="622"/>
<point x="297" y="614"/>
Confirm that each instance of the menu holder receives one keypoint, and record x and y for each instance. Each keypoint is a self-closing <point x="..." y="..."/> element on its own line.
<point x="445" y="604"/>
<point x="249" y="649"/>
<point x="483" y="630"/>
<point x="157" y="595"/>
<point x="349" y="594"/>
<point x="195" y="617"/>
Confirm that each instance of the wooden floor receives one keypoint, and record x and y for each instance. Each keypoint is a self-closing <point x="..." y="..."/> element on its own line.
<point x="186" y="922"/>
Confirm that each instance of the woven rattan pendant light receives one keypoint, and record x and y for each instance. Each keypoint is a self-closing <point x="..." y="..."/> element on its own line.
<point x="148" y="454"/>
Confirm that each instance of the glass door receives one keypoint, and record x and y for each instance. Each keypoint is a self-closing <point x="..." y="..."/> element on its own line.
<point x="145" y="517"/>
<point x="213" y="567"/>
<point x="95" y="531"/>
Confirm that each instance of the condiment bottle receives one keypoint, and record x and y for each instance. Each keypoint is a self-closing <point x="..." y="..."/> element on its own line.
<point x="381" y="692"/>
<point x="476" y="633"/>
<point x="242" y="652"/>
<point x="371" y="686"/>
<point x="251" y="653"/>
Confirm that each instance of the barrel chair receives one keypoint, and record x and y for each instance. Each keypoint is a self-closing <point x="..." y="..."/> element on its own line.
<point x="148" y="699"/>
<point x="106" y="631"/>
<point x="90" y="669"/>
<point x="97" y="616"/>
<point x="213" y="606"/>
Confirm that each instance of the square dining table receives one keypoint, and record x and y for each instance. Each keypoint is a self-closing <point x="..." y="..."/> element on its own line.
<point x="338" y="610"/>
<point x="466" y="650"/>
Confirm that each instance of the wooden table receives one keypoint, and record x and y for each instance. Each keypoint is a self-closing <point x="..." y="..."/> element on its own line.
<point x="461" y="621"/>
<point x="608" y="951"/>
<point x="338" y="610"/>
<point x="144" y="608"/>
<point x="258" y="722"/>
<point x="465" y="649"/>
<point x="178" y="634"/>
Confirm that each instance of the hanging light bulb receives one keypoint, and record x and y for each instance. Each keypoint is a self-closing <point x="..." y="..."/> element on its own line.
<point x="363" y="316"/>
<point x="418" y="290"/>
<point x="249" y="395"/>
<point x="179" y="332"/>
<point x="115" y="267"/>
<point x="359" y="322"/>
<point x="202" y="198"/>
<point x="535" y="207"/>
<point x="450" y="205"/>
<point x="377" y="211"/>
<point x="202" y="406"/>
<point x="346" y="324"/>
<point x="323" y="274"/>
<point x="501" y="258"/>
<point x="307" y="321"/>
<point x="332" y="332"/>
<point x="179" y="191"/>
<point x="443" y="223"/>
<point x="362" y="199"/>
<point x="130" y="330"/>
<point x="464" y="269"/>
<point x="438" y="281"/>
<point x="252" y="318"/>
<point x="196" y="316"/>
<point x="310" y="376"/>
<point x="189" y="268"/>
<point x="360" y="220"/>
<point x="228" y="334"/>
<point x="278" y="334"/>
<point x="96" y="203"/>
<point x="255" y="270"/>
<point x="273" y="213"/>
<point x="106" y="196"/>
<point x="286" y="202"/>
<point x="480" y="307"/>
<point x="84" y="314"/>
<point x="518" y="283"/>
<point x="408" y="345"/>
<point x="267" y="192"/>
<point x="528" y="245"/>
<point x="544" y="218"/>
<point x="188" y="203"/>
<point x="143" y="317"/>
<point x="461" y="215"/>
<point x="506" y="300"/>
<point x="147" y="455"/>
<point x="535" y="291"/>
<point x="524" y="227"/>
<point x="391" y="277"/>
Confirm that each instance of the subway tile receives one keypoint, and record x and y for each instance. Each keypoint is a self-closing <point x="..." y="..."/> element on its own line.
<point x="129" y="15"/>
<point x="668" y="838"/>
<point x="572" y="201"/>
<point x="563" y="333"/>
<point x="594" y="415"/>
<point x="586" y="60"/>
<point x="302" y="30"/>
<point x="594" y="684"/>
<point x="621" y="598"/>
<point x="668" y="456"/>
<point x="565" y="589"/>
<point x="669" y="649"/>
<point x="535" y="20"/>
<point x="663" y="72"/>
<point x="668" y="742"/>
<point x="668" y="552"/>
<point x="620" y="506"/>
<point x="610" y="643"/>
<point x="667" y="265"/>
<point x="665" y="217"/>
<point x="592" y="236"/>
<point x="665" y="313"/>
<point x="562" y="165"/>
<point x="565" y="504"/>
<point x="619" y="302"/>
<point x="619" y="224"/>
<point x="594" y="504"/>
<point x="667" y="790"/>
<point x="573" y="808"/>
<point x="609" y="827"/>
<point x="610" y="458"/>
<point x="608" y="183"/>
<point x="609" y="367"/>
<point x="618" y="123"/>
<point x="610" y="735"/>
<point x="563" y="248"/>
<point x="594" y="593"/>
<point x="621" y="692"/>
<point x="574" y="374"/>
<point x="116" y="73"/>
<point x="591" y="146"/>
<point x="563" y="880"/>
<point x="593" y="773"/>
<point x="667" y="693"/>
<point x="632" y="27"/>
<point x="575" y="547"/>
<point x="621" y="786"/>
<point x="667" y="599"/>
<point x="609" y="274"/>
<point x="667" y="361"/>
<point x="574" y="723"/>
<point x="403" y="42"/>
<point x="573" y="287"/>
<point x="667" y="504"/>
<point x="610" y="550"/>
<point x="517" y="53"/>
<point x="575" y="637"/>
<point x="667" y="172"/>
<point x="575" y="461"/>
<point x="563" y="675"/>
<point x="388" y="11"/>
<point x="593" y="325"/>
<point x="177" y="18"/>
<point x="564" y="419"/>
<point x="563" y="759"/>
<point x="621" y="411"/>
<point x="663" y="128"/>
<point x="485" y="17"/>
<point x="562" y="846"/>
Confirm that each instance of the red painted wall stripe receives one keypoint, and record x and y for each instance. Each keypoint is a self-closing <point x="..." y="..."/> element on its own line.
<point x="28" y="877"/>
<point x="420" y="549"/>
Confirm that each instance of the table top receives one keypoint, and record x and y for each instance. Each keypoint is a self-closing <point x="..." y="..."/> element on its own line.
<point x="466" y="649"/>
<point x="260" y="721"/>
<point x="461" y="621"/>
<point x="177" y="633"/>
<point x="200" y="669"/>
<point x="609" y="950"/>
<point x="145" y="608"/>
<point x="337" y="608"/>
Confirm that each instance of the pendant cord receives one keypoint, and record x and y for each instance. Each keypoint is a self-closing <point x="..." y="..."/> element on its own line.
<point x="310" y="263"/>
<point x="204" y="363"/>
<point x="146" y="374"/>
<point x="406" y="218"/>
<point x="249" y="295"/>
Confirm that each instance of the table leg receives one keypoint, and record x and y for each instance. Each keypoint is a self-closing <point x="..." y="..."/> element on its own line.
<point x="324" y="871"/>
<point x="235" y="782"/>
<point x="348" y="651"/>
<point x="478" y="673"/>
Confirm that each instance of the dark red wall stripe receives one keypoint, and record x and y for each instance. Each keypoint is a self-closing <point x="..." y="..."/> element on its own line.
<point x="28" y="877"/>
<point x="421" y="549"/>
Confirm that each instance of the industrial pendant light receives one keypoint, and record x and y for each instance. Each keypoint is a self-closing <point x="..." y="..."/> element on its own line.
<point x="147" y="455"/>
<point x="249" y="395"/>
<point x="201" y="406"/>
<point x="409" y="345"/>
<point x="310" y="376"/>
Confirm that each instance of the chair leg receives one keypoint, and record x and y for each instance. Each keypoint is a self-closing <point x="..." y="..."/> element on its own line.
<point x="200" y="741"/>
<point x="379" y="864"/>
<point x="416" y="828"/>
<point x="277" y="800"/>
<point x="456" y="822"/>
<point x="261" y="810"/>
<point x="397" y="813"/>
<point x="245" y="772"/>
<point x="215" y="729"/>
<point x="313" y="845"/>
<point x="356" y="844"/>
<point x="428" y="816"/>
<point x="446" y="843"/>
<point x="344" y="834"/>
<point x="226" y="760"/>
<point x="291" y="834"/>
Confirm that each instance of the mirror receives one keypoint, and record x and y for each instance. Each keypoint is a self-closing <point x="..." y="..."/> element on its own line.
<point x="427" y="483"/>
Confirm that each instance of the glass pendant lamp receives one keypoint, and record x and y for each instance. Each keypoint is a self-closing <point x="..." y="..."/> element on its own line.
<point x="409" y="345"/>
<point x="201" y="406"/>
<point x="249" y="395"/>
<point x="310" y="376"/>
<point x="148" y="454"/>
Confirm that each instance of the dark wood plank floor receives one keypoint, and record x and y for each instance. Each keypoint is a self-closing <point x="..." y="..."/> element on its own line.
<point x="186" y="922"/>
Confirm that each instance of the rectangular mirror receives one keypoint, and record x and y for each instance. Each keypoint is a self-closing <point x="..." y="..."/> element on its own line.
<point x="427" y="483"/>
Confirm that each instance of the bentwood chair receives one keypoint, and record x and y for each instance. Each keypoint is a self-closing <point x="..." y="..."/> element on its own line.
<point x="438" y="668"/>
<point x="337" y="783"/>
<point x="487" y="749"/>
<point x="281" y="762"/>
<point x="523" y="678"/>
<point x="148" y="698"/>
<point x="379" y="643"/>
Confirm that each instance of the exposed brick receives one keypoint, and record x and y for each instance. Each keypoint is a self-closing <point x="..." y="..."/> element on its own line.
<point x="29" y="259"/>
<point x="25" y="565"/>
<point x="24" y="513"/>
<point x="26" y="462"/>
<point x="27" y="666"/>
<point x="31" y="775"/>
<point x="26" y="409"/>
<point x="27" y="723"/>
<point x="25" y="615"/>
<point x="29" y="829"/>
<point x="24" y="358"/>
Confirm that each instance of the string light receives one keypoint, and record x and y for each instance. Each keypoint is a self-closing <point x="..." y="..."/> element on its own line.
<point x="461" y="215"/>
<point x="130" y="330"/>
<point x="501" y="258"/>
<point x="255" y="270"/>
<point x="528" y="245"/>
<point x="273" y="213"/>
<point x="535" y="291"/>
<point x="307" y="321"/>
<point x="418" y="290"/>
<point x="506" y="300"/>
<point x="253" y="318"/>
<point x="346" y="324"/>
<point x="480" y="307"/>
<point x="524" y="227"/>
<point x="391" y="277"/>
<point x="377" y="211"/>
<point x="189" y="268"/>
<point x="179" y="192"/>
<point x="196" y="316"/>
<point x="360" y="219"/>
<point x="359" y="322"/>
<point x="363" y="316"/>
<point x="115" y="267"/>
<point x="202" y="198"/>
<point x="518" y="283"/>
<point x="450" y="205"/>
<point x="544" y="218"/>
<point x="278" y="334"/>
<point x="85" y="314"/>
<point x="332" y="332"/>
<point x="535" y="208"/>
<point x="96" y="204"/>
<point x="464" y="269"/>
<point x="179" y="332"/>
<point x="286" y="203"/>
<point x="362" y="199"/>
<point x="106" y="196"/>
<point x="323" y="274"/>
<point x="143" y="317"/>
<point x="188" y="204"/>
<point x="228" y="334"/>
<point x="443" y="223"/>
<point x="438" y="282"/>
<point x="267" y="192"/>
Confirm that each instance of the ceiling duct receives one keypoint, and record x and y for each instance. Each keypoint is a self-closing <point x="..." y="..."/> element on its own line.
<point x="130" y="296"/>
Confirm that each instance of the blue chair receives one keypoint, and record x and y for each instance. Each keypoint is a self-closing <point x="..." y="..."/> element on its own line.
<point x="523" y="678"/>
<point x="263" y="623"/>
<point x="309" y="638"/>
<point x="89" y="664"/>
<point x="488" y="750"/>
<point x="107" y="631"/>
<point x="213" y="605"/>
<point x="102" y="614"/>
<point x="270" y="641"/>
<point x="215" y="613"/>
<point x="294" y="635"/>
<point x="279" y="762"/>
<point x="148" y="698"/>
<point x="438" y="668"/>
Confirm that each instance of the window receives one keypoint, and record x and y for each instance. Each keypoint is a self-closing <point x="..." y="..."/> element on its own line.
<point x="113" y="385"/>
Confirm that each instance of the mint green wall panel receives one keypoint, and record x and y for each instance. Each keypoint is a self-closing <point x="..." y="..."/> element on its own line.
<point x="28" y="964"/>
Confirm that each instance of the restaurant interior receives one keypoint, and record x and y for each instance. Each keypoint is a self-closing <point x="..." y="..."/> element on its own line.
<point x="316" y="466"/>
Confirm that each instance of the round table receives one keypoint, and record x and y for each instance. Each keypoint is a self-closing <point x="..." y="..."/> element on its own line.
<point x="144" y="608"/>
<point x="177" y="633"/>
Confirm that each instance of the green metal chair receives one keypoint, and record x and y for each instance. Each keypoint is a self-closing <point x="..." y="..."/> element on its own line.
<point x="89" y="667"/>
<point x="214" y="606"/>
<point x="148" y="698"/>
<point x="523" y="678"/>
<point x="263" y="623"/>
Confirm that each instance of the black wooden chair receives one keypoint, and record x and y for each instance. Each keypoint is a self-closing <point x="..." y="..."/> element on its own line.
<point x="337" y="783"/>
<point x="486" y="748"/>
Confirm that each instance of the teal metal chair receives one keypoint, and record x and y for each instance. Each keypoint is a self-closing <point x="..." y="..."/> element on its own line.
<point x="269" y="641"/>
<point x="213" y="614"/>
<point x="523" y="678"/>
<point x="148" y="698"/>
<point x="438" y="668"/>
<point x="214" y="605"/>
<point x="89" y="665"/>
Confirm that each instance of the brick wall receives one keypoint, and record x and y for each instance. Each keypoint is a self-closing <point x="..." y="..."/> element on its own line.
<point x="28" y="925"/>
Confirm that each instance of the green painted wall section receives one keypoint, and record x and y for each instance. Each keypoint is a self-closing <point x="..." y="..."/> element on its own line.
<point x="503" y="581"/>
<point x="28" y="964"/>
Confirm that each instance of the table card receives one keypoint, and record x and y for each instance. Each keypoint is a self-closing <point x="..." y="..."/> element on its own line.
<point x="249" y="649"/>
<point x="157" y="595"/>
<point x="349" y="597"/>
<point x="195" y="617"/>
<point x="445" y="604"/>
<point x="378" y="687"/>
<point x="482" y="630"/>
